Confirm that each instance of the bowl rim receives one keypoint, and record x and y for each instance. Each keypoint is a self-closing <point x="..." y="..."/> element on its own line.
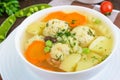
<point x="52" y="9"/>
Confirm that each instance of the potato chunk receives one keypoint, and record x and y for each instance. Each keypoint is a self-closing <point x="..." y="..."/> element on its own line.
<point x="101" y="45"/>
<point x="88" y="61"/>
<point x="69" y="63"/>
<point x="36" y="28"/>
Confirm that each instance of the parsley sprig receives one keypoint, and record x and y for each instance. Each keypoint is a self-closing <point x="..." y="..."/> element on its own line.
<point x="9" y="7"/>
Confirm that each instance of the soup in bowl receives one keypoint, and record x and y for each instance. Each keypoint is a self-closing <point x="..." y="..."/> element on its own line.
<point x="66" y="42"/>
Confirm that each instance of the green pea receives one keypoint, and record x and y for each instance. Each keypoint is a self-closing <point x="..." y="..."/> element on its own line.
<point x="42" y="7"/>
<point x="49" y="43"/>
<point x="36" y="8"/>
<point x="21" y="13"/>
<point x="28" y="14"/>
<point x="31" y="10"/>
<point x="96" y="21"/>
<point x="2" y="37"/>
<point x="11" y="21"/>
<point x="86" y="50"/>
<point x="47" y="49"/>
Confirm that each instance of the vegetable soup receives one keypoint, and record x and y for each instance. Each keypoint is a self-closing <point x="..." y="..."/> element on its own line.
<point x="67" y="41"/>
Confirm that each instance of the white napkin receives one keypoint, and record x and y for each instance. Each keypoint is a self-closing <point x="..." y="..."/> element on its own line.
<point x="113" y="15"/>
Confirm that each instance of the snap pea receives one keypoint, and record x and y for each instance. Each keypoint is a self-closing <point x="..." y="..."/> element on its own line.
<point x="5" y="26"/>
<point x="30" y="10"/>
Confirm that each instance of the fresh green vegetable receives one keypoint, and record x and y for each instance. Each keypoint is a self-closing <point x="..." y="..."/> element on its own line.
<point x="6" y="25"/>
<point x="49" y="43"/>
<point x="47" y="49"/>
<point x="96" y="21"/>
<point x="31" y="9"/>
<point x="86" y="50"/>
<point x="9" y="7"/>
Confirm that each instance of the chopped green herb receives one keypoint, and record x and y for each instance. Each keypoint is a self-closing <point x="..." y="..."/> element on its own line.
<point x="100" y="47"/>
<point x="67" y="33"/>
<point x="53" y="22"/>
<point x="94" y="57"/>
<point x="58" y="57"/>
<point x="47" y="25"/>
<point x="90" y="33"/>
<point x="64" y="33"/>
<point x="73" y="21"/>
<point x="84" y="59"/>
<point x="104" y="57"/>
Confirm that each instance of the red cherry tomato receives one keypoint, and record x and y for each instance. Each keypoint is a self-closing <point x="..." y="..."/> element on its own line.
<point x="106" y="7"/>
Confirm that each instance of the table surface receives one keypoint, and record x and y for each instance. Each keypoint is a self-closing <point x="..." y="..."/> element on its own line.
<point x="25" y="3"/>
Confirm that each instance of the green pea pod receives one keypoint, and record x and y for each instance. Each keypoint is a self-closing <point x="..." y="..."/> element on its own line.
<point x="31" y="9"/>
<point x="5" y="26"/>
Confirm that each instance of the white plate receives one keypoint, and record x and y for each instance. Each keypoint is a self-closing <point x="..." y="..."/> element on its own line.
<point x="12" y="67"/>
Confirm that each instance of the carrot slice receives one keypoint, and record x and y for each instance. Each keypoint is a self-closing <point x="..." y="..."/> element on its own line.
<point x="55" y="15"/>
<point x="74" y="19"/>
<point x="35" y="52"/>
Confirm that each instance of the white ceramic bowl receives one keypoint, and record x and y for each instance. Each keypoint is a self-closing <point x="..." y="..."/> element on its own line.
<point x="49" y="75"/>
<point x="90" y="1"/>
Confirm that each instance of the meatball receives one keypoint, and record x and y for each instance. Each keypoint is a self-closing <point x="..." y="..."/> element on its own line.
<point x="53" y="26"/>
<point x="59" y="51"/>
<point x="85" y="35"/>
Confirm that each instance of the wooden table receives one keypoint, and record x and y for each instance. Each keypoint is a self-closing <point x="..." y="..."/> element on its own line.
<point x="25" y="3"/>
